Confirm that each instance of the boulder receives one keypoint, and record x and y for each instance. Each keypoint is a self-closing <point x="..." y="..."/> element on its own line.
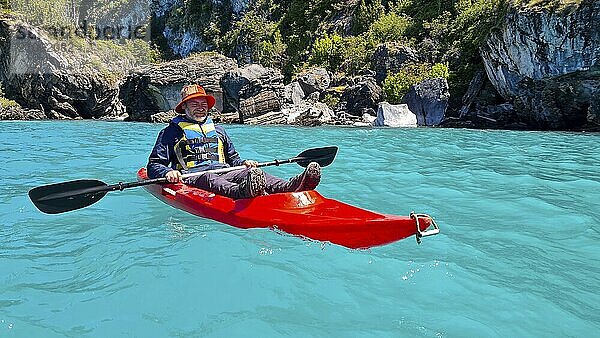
<point x="428" y="100"/>
<point x="152" y="89"/>
<point x="363" y="95"/>
<point x="271" y="117"/>
<point x="396" y="116"/>
<point x="163" y="117"/>
<point x="293" y="93"/>
<point x="308" y="114"/>
<point x="13" y="111"/>
<point x="252" y="90"/>
<point x="252" y="109"/>
<point x="368" y="118"/>
<point x="314" y="80"/>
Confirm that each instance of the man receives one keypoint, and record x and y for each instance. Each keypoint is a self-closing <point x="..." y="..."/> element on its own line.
<point x="192" y="142"/>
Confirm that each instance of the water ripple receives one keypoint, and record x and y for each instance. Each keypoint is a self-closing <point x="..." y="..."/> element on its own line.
<point x="519" y="213"/>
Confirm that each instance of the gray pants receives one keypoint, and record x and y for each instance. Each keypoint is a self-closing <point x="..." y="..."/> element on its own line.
<point x="227" y="184"/>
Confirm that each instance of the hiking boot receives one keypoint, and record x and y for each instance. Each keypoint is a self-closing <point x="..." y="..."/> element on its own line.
<point x="309" y="179"/>
<point x="254" y="185"/>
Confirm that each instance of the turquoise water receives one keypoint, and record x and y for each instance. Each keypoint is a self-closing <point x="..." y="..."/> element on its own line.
<point x="518" y="255"/>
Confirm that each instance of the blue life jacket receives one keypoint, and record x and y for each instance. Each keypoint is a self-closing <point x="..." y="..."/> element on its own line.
<point x="199" y="146"/>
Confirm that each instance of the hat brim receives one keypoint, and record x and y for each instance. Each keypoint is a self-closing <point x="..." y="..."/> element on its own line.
<point x="209" y="99"/>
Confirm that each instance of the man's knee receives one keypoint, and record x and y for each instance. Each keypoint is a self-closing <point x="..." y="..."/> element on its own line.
<point x="201" y="180"/>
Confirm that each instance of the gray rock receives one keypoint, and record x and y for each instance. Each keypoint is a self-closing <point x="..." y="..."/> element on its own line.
<point x="369" y="119"/>
<point x="308" y="114"/>
<point x="16" y="112"/>
<point x="293" y="93"/>
<point x="500" y="112"/>
<point x="184" y="42"/>
<point x="567" y="102"/>
<point x="542" y="60"/>
<point x="271" y="117"/>
<point x="245" y="87"/>
<point x="38" y="76"/>
<point x="428" y="100"/>
<point x="163" y="117"/>
<point x="314" y="80"/>
<point x="313" y="97"/>
<point x="473" y="90"/>
<point x="152" y="89"/>
<point x="129" y="19"/>
<point x="364" y="95"/>
<point x="390" y="57"/>
<point x="251" y="109"/>
<point x="396" y="116"/>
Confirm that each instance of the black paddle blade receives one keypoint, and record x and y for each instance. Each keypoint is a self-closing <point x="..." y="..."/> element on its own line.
<point x="324" y="156"/>
<point x="67" y="196"/>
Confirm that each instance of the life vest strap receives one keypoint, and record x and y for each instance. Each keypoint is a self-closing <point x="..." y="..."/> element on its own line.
<point x="200" y="140"/>
<point x="202" y="157"/>
<point x="204" y="149"/>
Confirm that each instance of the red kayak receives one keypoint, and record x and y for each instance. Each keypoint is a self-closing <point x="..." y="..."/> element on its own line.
<point x="306" y="214"/>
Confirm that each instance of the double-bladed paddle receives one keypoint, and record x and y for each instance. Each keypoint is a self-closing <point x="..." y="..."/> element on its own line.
<point x="66" y="196"/>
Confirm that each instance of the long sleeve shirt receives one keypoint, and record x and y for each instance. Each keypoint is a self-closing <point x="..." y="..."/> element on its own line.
<point x="163" y="158"/>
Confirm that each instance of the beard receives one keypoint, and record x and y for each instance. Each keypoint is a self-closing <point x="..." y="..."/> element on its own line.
<point x="191" y="115"/>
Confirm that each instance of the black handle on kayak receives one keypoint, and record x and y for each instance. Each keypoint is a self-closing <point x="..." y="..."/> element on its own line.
<point x="66" y="196"/>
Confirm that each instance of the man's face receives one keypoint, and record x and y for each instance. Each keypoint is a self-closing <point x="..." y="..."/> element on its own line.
<point x="196" y="109"/>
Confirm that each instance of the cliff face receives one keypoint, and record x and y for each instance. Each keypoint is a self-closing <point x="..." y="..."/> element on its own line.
<point x="180" y="23"/>
<point x="37" y="75"/>
<point x="547" y="63"/>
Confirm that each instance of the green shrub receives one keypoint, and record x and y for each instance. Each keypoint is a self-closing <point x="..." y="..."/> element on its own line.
<point x="48" y="14"/>
<point x="357" y="53"/>
<point x="389" y="27"/>
<point x="439" y="70"/>
<point x="6" y="103"/>
<point x="328" y="51"/>
<point x="261" y="35"/>
<point x="366" y="14"/>
<point x="395" y="86"/>
<point x="271" y="52"/>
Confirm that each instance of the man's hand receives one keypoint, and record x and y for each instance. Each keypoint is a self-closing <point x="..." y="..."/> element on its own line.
<point x="251" y="163"/>
<point x="173" y="176"/>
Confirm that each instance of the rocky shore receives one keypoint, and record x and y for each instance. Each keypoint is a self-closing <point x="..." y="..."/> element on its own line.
<point x="542" y="71"/>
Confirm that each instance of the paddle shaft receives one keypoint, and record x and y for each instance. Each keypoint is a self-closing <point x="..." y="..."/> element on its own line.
<point x="66" y="196"/>
<point x="125" y="185"/>
<point x="122" y="186"/>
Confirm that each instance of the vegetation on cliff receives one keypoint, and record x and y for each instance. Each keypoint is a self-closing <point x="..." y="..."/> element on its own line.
<point x="65" y="25"/>
<point x="343" y="35"/>
<point x="291" y="35"/>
